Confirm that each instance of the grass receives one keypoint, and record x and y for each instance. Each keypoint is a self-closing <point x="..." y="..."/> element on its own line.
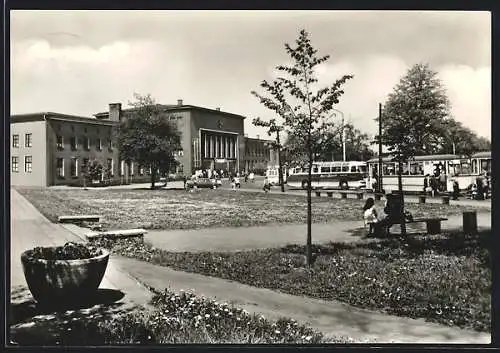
<point x="174" y="318"/>
<point x="443" y="278"/>
<point x="176" y="209"/>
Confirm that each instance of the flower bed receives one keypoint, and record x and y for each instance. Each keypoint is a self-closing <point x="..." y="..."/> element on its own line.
<point x="178" y="319"/>
<point x="444" y="278"/>
<point x="174" y="209"/>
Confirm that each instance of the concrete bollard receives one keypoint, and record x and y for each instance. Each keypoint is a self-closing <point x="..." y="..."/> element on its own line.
<point x="446" y="200"/>
<point x="470" y="222"/>
<point x="421" y="199"/>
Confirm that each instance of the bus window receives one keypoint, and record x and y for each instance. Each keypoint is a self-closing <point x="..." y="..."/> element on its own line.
<point x="362" y="168"/>
<point x="388" y="169"/>
<point x="315" y="169"/>
<point x="325" y="169"/>
<point x="353" y="169"/>
<point x="416" y="168"/>
<point x="336" y="169"/>
<point x="345" y="168"/>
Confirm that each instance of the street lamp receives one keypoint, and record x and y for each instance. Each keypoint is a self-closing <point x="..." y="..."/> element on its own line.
<point x="342" y="131"/>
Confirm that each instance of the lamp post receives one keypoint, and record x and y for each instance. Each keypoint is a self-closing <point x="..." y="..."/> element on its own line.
<point x="342" y="131"/>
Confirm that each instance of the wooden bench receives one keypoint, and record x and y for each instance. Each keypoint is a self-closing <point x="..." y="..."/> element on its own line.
<point x="78" y="219"/>
<point x="114" y="234"/>
<point x="343" y="193"/>
<point x="433" y="224"/>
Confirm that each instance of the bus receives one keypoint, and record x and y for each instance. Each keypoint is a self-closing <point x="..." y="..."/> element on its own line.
<point x="272" y="174"/>
<point x="461" y="169"/>
<point x="330" y="175"/>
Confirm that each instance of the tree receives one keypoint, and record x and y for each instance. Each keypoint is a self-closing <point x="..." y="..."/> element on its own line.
<point x="414" y="119"/>
<point x="305" y="110"/>
<point x="148" y="137"/>
<point x="274" y="128"/>
<point x="462" y="140"/>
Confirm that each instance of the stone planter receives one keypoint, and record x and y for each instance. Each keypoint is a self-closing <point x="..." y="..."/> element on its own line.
<point x="53" y="281"/>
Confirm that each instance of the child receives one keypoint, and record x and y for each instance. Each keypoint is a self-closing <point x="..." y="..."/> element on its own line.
<point x="237" y="182"/>
<point x="370" y="215"/>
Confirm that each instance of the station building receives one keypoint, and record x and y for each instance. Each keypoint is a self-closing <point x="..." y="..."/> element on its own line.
<point x="52" y="148"/>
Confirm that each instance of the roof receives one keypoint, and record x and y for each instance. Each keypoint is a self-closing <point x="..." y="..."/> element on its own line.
<point x="483" y="154"/>
<point x="434" y="157"/>
<point x="175" y="107"/>
<point x="41" y="116"/>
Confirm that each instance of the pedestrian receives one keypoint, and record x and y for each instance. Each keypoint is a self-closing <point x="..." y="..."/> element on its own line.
<point x="267" y="185"/>
<point x="233" y="184"/>
<point x="442" y="180"/>
<point x="184" y="179"/>
<point x="426" y="183"/>
<point x="246" y="177"/>
<point x="237" y="182"/>
<point x="480" y="188"/>
<point x="434" y="185"/>
<point x="251" y="177"/>
<point x="456" y="190"/>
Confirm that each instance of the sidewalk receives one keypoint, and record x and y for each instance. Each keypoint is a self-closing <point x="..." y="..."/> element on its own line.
<point x="246" y="238"/>
<point x="330" y="317"/>
<point x="118" y="291"/>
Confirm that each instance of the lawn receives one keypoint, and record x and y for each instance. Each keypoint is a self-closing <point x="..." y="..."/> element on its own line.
<point x="443" y="278"/>
<point x="177" y="209"/>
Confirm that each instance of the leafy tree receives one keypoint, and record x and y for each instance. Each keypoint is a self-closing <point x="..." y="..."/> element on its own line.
<point x="414" y="118"/>
<point x="148" y="137"/>
<point x="462" y="140"/>
<point x="274" y="128"/>
<point x="304" y="109"/>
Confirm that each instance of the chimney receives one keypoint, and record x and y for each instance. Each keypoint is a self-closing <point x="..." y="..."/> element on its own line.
<point x="115" y="111"/>
<point x="258" y="137"/>
<point x="179" y="102"/>
<point x="218" y="109"/>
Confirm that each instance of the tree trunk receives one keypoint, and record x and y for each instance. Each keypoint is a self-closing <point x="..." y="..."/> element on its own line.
<point x="401" y="197"/>
<point x="280" y="167"/>
<point x="153" y="176"/>
<point x="309" y="215"/>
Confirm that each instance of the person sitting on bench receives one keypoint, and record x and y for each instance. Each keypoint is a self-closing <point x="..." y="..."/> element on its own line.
<point x="393" y="214"/>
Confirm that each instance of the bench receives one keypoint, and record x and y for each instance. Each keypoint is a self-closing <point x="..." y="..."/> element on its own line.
<point x="433" y="225"/>
<point x="78" y="219"/>
<point x="114" y="234"/>
<point x="343" y="193"/>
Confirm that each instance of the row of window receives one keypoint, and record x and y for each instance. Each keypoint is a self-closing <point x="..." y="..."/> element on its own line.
<point x="85" y="141"/>
<point x="76" y="169"/>
<point x="28" y="164"/>
<point x="28" y="140"/>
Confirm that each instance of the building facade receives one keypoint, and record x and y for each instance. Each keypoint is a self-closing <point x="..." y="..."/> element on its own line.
<point x="54" y="149"/>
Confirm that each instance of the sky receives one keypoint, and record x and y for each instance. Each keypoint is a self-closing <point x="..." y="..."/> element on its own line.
<point x="77" y="62"/>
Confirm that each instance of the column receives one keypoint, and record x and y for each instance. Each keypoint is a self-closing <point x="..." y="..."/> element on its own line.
<point x="212" y="140"/>
<point x="205" y="154"/>
<point x="226" y="146"/>
<point x="217" y="146"/>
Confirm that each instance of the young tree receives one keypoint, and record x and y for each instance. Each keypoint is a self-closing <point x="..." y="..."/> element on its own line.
<point x="414" y="118"/>
<point x="274" y="128"/>
<point x="148" y="137"/>
<point x="304" y="109"/>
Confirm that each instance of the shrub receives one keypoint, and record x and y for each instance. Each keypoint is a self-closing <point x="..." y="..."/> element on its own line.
<point x="69" y="251"/>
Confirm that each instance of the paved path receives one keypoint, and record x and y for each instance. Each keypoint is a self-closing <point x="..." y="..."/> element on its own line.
<point x="30" y="229"/>
<point x="330" y="317"/>
<point x="245" y="238"/>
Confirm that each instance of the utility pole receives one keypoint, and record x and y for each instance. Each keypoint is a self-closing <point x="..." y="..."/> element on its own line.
<point x="343" y="138"/>
<point x="380" y="185"/>
<point x="280" y="167"/>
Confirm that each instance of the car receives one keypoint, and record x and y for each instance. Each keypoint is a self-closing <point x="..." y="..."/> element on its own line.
<point x="203" y="183"/>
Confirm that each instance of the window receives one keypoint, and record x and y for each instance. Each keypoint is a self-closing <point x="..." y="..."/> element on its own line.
<point x="110" y="167"/>
<point x="99" y="144"/>
<point x="85" y="164"/>
<point x="345" y="168"/>
<point x="353" y="169"/>
<point x="325" y="169"/>
<point x="15" y="164"/>
<point x="15" y="141"/>
<point x="27" y="140"/>
<point x="28" y="161"/>
<point x="315" y="169"/>
<point x="74" y="144"/>
<point x="86" y="143"/>
<point x="74" y="167"/>
<point x="416" y="168"/>
<point x="60" y="167"/>
<point x="59" y="142"/>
